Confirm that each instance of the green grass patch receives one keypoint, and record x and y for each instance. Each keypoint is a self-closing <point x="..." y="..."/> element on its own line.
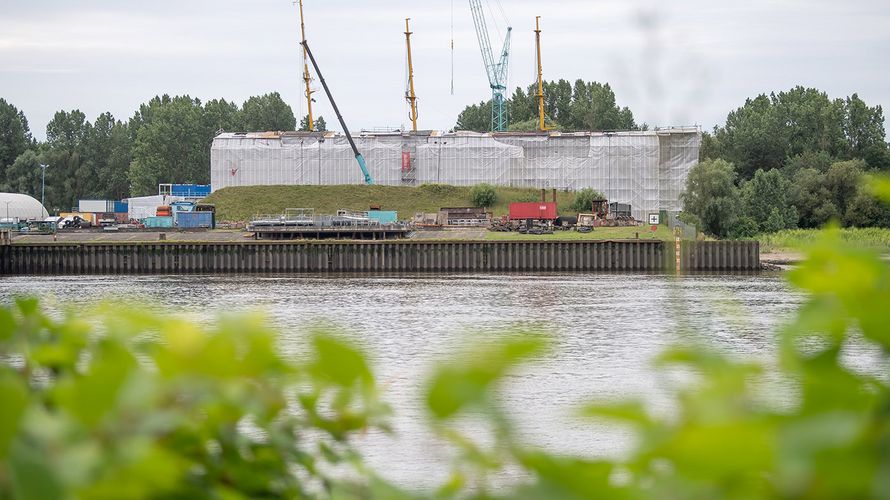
<point x="242" y="203"/>
<point x="601" y="233"/>
<point x="796" y="239"/>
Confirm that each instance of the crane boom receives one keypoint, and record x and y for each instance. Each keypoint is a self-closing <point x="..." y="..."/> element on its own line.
<point x="496" y="70"/>
<point x="306" y="78"/>
<point x="409" y="95"/>
<point x="358" y="156"/>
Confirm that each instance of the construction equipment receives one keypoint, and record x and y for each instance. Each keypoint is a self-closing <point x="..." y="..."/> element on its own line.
<point x="306" y="78"/>
<point x="409" y="94"/>
<point x="358" y="156"/>
<point x="497" y="71"/>
<point x="540" y="94"/>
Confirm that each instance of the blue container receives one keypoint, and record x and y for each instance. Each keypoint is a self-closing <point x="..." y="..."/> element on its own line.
<point x="384" y="216"/>
<point x="121" y="207"/>
<point x="192" y="220"/>
<point x="159" y="222"/>
<point x="190" y="190"/>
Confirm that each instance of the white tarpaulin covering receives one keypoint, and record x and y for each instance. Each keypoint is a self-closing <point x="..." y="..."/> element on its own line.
<point x="646" y="169"/>
<point x="147" y="206"/>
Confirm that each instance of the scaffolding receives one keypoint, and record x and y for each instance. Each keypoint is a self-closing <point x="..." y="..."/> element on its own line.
<point x="646" y="169"/>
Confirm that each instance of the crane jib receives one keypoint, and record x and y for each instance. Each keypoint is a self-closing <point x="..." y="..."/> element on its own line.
<point x="358" y="156"/>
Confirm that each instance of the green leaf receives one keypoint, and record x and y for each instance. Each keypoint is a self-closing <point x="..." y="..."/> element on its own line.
<point x="338" y="362"/>
<point x="91" y="397"/>
<point x="632" y="412"/>
<point x="13" y="401"/>
<point x="33" y="476"/>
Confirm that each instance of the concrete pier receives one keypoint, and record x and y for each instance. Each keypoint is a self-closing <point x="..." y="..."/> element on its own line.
<point x="369" y="256"/>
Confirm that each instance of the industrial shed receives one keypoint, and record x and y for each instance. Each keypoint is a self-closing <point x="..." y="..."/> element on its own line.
<point x="646" y="169"/>
<point x="21" y="207"/>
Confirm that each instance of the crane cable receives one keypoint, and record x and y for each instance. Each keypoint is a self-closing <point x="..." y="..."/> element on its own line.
<point x="452" y="47"/>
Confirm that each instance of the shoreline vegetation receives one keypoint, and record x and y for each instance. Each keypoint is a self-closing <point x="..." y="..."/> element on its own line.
<point x="152" y="405"/>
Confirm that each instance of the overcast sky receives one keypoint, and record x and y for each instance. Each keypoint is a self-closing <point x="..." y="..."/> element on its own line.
<point x="674" y="63"/>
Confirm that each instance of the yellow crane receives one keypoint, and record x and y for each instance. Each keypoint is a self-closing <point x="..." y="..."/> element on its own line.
<point x="306" y="77"/>
<point x="409" y="95"/>
<point x="540" y="94"/>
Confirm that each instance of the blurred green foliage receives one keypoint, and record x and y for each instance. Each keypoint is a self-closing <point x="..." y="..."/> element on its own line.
<point x="124" y="404"/>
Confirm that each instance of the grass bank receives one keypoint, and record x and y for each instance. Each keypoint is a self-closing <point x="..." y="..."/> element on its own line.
<point x="601" y="233"/>
<point x="795" y="239"/>
<point x="242" y="203"/>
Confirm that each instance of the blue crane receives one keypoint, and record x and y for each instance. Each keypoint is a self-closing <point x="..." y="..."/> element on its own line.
<point x="497" y="71"/>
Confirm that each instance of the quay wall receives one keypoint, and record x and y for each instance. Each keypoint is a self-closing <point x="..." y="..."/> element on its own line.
<point x="370" y="256"/>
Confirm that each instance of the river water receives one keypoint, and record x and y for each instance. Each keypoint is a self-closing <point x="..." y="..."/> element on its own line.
<point x="606" y="330"/>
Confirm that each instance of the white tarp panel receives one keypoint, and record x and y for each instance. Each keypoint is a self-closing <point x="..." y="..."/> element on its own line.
<point x="147" y="206"/>
<point x="465" y="161"/>
<point x="646" y="169"/>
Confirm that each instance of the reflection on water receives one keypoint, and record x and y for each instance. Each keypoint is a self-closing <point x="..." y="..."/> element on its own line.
<point x="606" y="329"/>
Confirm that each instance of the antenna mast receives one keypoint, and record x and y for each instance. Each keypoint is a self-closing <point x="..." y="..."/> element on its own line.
<point x="409" y="95"/>
<point x="306" y="77"/>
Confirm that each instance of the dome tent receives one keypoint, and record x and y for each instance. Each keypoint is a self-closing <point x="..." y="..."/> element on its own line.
<point x="21" y="207"/>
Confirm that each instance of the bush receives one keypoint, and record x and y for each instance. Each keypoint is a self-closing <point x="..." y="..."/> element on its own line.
<point x="583" y="202"/>
<point x="483" y="195"/>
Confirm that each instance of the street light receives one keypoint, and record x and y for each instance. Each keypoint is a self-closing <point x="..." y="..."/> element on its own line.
<point x="7" y="210"/>
<point x="43" y="185"/>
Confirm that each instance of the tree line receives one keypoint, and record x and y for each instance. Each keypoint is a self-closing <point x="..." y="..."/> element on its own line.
<point x="166" y="140"/>
<point x="579" y="106"/>
<point x="786" y="160"/>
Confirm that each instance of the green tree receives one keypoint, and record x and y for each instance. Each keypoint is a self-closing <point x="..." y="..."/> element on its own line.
<point x="319" y="125"/>
<point x="23" y="176"/>
<point x="171" y="147"/>
<point x="483" y="195"/>
<point x="799" y="123"/>
<point x="812" y="199"/>
<point x="583" y="202"/>
<point x="711" y="200"/>
<point x="475" y="117"/>
<point x="70" y="175"/>
<point x="843" y="180"/>
<point x="15" y="136"/>
<point x="765" y="199"/>
<point x="109" y="151"/>
<point x="752" y="138"/>
<point x="866" y="210"/>
<point x="268" y="112"/>
<point x="582" y="106"/>
<point x="818" y="160"/>
<point x="863" y="127"/>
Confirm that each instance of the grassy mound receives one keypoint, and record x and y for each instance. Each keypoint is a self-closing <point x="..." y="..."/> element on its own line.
<point x="242" y="203"/>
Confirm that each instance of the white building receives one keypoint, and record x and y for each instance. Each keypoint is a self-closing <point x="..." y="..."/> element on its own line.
<point x="646" y="169"/>
<point x="16" y="207"/>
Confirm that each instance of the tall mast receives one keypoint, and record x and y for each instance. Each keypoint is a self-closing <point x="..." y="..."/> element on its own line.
<point x="540" y="94"/>
<point x="410" y="94"/>
<point x="306" y="77"/>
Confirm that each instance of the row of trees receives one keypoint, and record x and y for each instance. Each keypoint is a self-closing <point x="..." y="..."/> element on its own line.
<point x="722" y="204"/>
<point x="167" y="140"/>
<point x="582" y="106"/>
<point x="788" y="160"/>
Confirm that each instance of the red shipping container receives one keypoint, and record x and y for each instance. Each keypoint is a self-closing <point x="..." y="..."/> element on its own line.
<point x="545" y="210"/>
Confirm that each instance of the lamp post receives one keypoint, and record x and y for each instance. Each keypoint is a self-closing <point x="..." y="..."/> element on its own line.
<point x="7" y="210"/>
<point x="43" y="185"/>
